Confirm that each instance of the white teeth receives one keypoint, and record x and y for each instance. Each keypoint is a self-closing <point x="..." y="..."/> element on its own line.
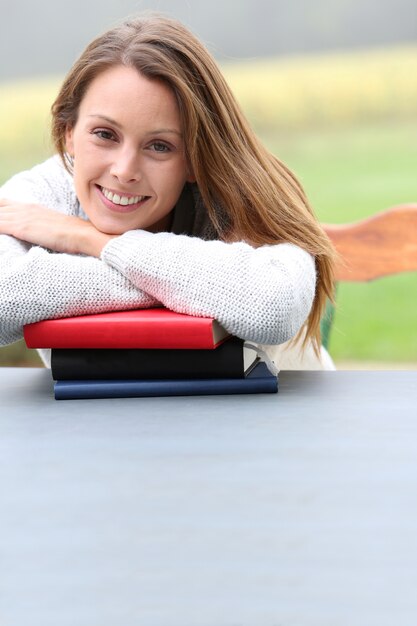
<point x="122" y="200"/>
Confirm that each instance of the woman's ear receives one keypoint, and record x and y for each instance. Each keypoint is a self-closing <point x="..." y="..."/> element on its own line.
<point x="69" y="141"/>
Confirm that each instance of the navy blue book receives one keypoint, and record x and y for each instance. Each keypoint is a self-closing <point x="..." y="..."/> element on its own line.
<point x="259" y="380"/>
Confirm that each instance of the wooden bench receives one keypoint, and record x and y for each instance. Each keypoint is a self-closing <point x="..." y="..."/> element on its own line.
<point x="381" y="245"/>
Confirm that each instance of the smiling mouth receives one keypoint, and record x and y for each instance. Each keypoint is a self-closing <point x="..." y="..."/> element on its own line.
<point x="119" y="201"/>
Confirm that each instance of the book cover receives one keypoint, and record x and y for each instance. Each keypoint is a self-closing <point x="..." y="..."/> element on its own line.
<point x="259" y="380"/>
<point x="229" y="360"/>
<point x="140" y="328"/>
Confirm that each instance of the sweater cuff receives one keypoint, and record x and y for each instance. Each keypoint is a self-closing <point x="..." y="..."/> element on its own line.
<point x="115" y="251"/>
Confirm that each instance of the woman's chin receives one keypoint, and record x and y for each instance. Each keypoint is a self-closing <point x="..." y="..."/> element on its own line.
<point x="109" y="228"/>
<point x="114" y="227"/>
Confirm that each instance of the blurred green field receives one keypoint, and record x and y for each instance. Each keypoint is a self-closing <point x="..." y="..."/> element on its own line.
<point x="350" y="173"/>
<point x="347" y="126"/>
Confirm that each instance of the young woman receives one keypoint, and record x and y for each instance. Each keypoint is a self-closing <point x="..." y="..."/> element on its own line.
<point x="160" y="193"/>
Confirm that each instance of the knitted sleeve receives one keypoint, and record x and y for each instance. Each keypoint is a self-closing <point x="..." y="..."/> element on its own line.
<point x="259" y="294"/>
<point x="48" y="184"/>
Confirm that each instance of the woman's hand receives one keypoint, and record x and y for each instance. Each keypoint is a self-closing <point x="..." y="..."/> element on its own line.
<point x="46" y="228"/>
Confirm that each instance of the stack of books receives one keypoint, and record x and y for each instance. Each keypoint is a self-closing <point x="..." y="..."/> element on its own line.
<point x="147" y="352"/>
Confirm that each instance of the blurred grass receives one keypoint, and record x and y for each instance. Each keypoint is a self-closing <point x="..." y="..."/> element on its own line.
<point x="24" y="127"/>
<point x="376" y="321"/>
<point x="345" y="123"/>
<point x="350" y="173"/>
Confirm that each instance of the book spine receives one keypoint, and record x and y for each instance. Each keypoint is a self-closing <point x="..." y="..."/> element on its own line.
<point x="260" y="380"/>
<point x="77" y="334"/>
<point x="226" y="361"/>
<point x="66" y="390"/>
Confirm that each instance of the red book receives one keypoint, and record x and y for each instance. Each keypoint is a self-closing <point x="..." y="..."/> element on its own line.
<point x="141" y="328"/>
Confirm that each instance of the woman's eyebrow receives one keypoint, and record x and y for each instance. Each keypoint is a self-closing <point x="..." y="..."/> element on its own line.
<point x="158" y="131"/>
<point x="106" y="119"/>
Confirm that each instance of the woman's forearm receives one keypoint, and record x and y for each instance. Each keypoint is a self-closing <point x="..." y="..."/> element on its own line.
<point x="263" y="295"/>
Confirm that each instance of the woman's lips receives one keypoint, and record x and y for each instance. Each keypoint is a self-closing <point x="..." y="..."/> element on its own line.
<point x="120" y="208"/>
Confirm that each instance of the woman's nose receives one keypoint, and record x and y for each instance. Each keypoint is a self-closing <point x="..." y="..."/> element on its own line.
<point x="126" y="166"/>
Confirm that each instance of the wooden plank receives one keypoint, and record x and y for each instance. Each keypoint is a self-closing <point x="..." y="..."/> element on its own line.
<point x="381" y="245"/>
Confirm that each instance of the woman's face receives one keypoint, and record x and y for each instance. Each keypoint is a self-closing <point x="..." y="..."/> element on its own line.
<point x="127" y="144"/>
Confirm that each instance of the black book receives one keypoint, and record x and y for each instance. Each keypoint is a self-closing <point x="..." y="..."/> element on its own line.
<point x="231" y="359"/>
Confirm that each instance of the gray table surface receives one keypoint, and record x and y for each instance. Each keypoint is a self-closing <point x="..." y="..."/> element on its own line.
<point x="294" y="509"/>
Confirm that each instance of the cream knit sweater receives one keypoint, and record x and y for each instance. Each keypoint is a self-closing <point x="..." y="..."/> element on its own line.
<point x="263" y="295"/>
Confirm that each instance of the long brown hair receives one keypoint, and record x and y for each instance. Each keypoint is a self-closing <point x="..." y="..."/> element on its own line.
<point x="263" y="201"/>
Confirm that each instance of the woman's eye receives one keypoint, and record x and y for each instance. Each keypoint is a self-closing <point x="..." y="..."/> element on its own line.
<point x="158" y="146"/>
<point x="102" y="133"/>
